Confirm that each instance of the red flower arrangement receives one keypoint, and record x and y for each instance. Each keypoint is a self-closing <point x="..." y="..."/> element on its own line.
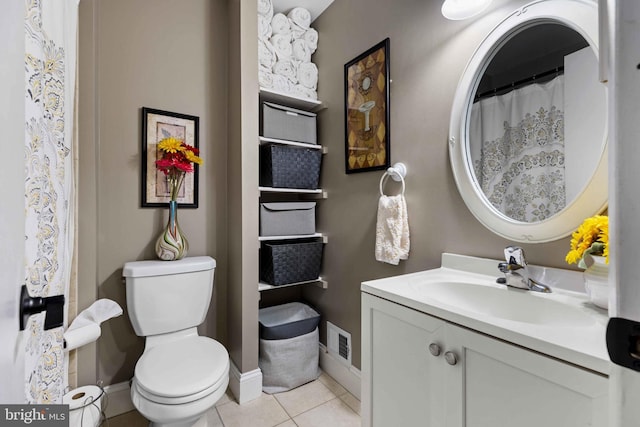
<point x="177" y="159"/>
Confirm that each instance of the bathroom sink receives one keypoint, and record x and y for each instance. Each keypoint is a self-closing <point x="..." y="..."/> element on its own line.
<point x="504" y="303"/>
<point x="463" y="291"/>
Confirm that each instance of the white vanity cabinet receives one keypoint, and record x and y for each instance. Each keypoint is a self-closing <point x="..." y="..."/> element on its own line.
<point x="474" y="380"/>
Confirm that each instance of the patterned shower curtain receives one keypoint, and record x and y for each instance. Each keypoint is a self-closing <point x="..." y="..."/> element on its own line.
<point x="50" y="66"/>
<point x="518" y="150"/>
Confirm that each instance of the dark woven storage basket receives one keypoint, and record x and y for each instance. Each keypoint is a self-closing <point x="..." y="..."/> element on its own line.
<point x="287" y="261"/>
<point x="284" y="166"/>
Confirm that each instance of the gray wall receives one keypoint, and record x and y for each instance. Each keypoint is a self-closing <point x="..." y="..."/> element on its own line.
<point x="160" y="54"/>
<point x="428" y="55"/>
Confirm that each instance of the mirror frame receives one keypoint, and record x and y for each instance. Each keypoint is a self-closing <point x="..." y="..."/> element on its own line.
<point x="579" y="15"/>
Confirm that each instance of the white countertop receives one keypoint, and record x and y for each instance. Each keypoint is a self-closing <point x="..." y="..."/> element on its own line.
<point x="573" y="331"/>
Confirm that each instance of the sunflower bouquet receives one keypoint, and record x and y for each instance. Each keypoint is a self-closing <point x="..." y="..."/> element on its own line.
<point x="591" y="238"/>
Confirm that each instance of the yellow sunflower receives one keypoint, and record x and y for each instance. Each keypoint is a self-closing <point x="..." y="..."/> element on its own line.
<point x="170" y="145"/>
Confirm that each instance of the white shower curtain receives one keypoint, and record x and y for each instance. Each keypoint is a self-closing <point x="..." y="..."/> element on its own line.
<point x="50" y="67"/>
<point x="518" y="150"/>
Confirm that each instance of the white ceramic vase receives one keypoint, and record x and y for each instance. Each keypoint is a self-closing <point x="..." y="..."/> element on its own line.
<point x="596" y="281"/>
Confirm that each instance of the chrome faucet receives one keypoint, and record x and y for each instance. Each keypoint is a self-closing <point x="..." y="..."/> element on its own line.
<point x="516" y="273"/>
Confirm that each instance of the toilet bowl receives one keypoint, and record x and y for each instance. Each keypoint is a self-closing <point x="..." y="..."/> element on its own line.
<point x="180" y="374"/>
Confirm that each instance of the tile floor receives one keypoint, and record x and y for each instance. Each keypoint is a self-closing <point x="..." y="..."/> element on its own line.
<point x="323" y="403"/>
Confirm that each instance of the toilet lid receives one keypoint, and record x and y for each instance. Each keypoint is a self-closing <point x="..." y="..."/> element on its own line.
<point x="183" y="367"/>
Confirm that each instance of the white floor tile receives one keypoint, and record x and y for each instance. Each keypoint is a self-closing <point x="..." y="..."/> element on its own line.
<point x="334" y="413"/>
<point x="332" y="384"/>
<point x="305" y="397"/>
<point x="210" y="419"/>
<point x="262" y="412"/>
<point x="313" y="404"/>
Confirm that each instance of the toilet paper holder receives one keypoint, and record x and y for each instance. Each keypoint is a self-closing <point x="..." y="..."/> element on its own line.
<point x="54" y="307"/>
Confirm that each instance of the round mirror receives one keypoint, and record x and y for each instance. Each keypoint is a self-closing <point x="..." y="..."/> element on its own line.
<point x="528" y="126"/>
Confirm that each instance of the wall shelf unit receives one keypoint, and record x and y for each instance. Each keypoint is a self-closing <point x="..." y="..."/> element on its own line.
<point x="276" y="97"/>
<point x="278" y="193"/>
<point x="325" y="239"/>
<point x="266" y="140"/>
<point x="319" y="283"/>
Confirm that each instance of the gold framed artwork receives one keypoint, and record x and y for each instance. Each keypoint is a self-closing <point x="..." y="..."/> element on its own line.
<point x="366" y="93"/>
<point x="156" y="126"/>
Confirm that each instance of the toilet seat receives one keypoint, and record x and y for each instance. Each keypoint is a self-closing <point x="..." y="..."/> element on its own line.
<point x="182" y="371"/>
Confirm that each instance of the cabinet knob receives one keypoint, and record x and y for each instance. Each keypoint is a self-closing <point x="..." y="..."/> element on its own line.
<point x="434" y="349"/>
<point x="451" y="358"/>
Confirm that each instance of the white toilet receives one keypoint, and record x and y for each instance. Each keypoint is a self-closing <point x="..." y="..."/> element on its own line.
<point x="180" y="375"/>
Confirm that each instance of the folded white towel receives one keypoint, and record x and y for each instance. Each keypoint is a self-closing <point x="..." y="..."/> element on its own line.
<point x="265" y="77"/>
<point x="264" y="28"/>
<point x="296" y="30"/>
<point x="304" y="92"/>
<point x="265" y="8"/>
<point x="286" y="67"/>
<point x="311" y="37"/>
<point x="300" y="16"/>
<point x="282" y="45"/>
<point x="280" y="24"/>
<point x="308" y="75"/>
<point x="282" y="84"/>
<point x="392" y="230"/>
<point x="301" y="51"/>
<point x="266" y="54"/>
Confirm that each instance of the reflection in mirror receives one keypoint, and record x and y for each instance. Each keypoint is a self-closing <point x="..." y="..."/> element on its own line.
<point x="537" y="124"/>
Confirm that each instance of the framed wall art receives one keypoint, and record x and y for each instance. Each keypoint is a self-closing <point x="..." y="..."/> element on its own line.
<point x="156" y="126"/>
<point x="366" y="93"/>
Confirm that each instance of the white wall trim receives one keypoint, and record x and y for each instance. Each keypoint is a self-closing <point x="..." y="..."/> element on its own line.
<point x="245" y="386"/>
<point x="347" y="376"/>
<point x="118" y="399"/>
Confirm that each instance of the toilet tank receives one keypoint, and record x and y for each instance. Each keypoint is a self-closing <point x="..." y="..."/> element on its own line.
<point x="168" y="296"/>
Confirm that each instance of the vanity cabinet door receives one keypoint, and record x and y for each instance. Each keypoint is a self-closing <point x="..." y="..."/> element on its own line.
<point x="402" y="381"/>
<point x="500" y="384"/>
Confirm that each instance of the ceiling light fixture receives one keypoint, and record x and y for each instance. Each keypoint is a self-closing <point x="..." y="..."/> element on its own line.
<point x="463" y="9"/>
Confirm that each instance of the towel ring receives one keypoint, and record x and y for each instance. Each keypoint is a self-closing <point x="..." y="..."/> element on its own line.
<point x="397" y="172"/>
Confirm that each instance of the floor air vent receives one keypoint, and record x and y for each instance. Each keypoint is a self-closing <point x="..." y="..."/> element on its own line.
<point x="339" y="343"/>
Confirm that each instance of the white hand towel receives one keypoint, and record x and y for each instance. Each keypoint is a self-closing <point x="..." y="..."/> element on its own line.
<point x="308" y="75"/>
<point x="286" y="67"/>
<point x="266" y="54"/>
<point x="280" y="24"/>
<point x="301" y="51"/>
<point x="392" y="230"/>
<point x="265" y="8"/>
<point x="282" y="45"/>
<point x="311" y="37"/>
<point x="264" y="28"/>
<point x="300" y="16"/>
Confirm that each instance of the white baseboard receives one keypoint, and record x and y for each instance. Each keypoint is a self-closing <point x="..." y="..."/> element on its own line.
<point x="245" y="386"/>
<point x="347" y="376"/>
<point x="118" y="399"/>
